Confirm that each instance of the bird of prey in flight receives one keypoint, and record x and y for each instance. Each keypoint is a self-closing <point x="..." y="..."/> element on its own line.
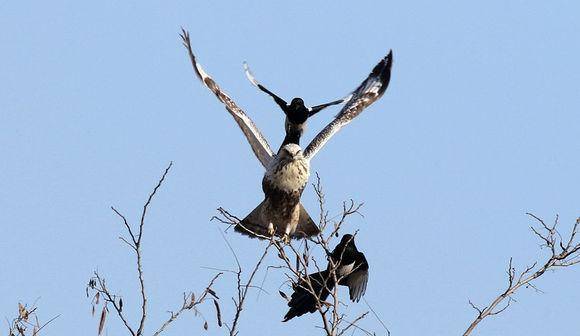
<point x="296" y="112"/>
<point x="287" y="171"/>
<point x="347" y="267"/>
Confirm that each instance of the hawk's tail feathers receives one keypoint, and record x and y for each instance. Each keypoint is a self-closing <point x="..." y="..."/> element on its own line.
<point x="256" y="225"/>
<point x="306" y="226"/>
<point x="253" y="225"/>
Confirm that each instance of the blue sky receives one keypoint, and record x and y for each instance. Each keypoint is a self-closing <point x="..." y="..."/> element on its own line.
<point x="479" y="126"/>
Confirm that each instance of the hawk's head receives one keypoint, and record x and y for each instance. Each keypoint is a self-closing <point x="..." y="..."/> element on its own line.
<point x="290" y="151"/>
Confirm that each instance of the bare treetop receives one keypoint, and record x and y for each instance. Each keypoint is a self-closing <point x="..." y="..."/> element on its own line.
<point x="563" y="251"/>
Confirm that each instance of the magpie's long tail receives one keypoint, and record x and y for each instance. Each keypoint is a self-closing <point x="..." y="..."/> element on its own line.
<point x="303" y="301"/>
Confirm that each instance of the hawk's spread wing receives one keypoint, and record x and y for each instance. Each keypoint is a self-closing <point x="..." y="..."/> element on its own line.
<point x="255" y="138"/>
<point x="371" y="89"/>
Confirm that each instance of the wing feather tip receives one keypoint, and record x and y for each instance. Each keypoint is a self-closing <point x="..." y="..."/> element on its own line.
<point x="250" y="75"/>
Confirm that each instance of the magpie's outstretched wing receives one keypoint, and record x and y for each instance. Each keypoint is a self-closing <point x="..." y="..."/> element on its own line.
<point x="358" y="279"/>
<point x="315" y="109"/>
<point x="257" y="141"/>
<point x="281" y="102"/>
<point x="311" y="111"/>
<point x="371" y="89"/>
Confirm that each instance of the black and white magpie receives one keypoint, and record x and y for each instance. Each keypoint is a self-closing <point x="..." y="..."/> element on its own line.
<point x="350" y="269"/>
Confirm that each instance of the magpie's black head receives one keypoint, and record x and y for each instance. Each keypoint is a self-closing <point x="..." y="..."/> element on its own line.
<point x="345" y="248"/>
<point x="347" y="238"/>
<point x="297" y="102"/>
<point x="297" y="113"/>
<point x="347" y="241"/>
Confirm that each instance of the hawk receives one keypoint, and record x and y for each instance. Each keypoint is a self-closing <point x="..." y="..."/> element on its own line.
<point x="350" y="269"/>
<point x="287" y="171"/>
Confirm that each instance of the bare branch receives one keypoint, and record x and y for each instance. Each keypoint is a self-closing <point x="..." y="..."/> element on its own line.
<point x="479" y="310"/>
<point x="27" y="318"/>
<point x="561" y="255"/>
<point x="126" y="225"/>
<point x="98" y="285"/>
<point x="189" y="303"/>
<point x="297" y="262"/>
<point x="146" y="206"/>
<point x="377" y="317"/>
<point x="353" y="324"/>
<point x="138" y="246"/>
<point x="243" y="288"/>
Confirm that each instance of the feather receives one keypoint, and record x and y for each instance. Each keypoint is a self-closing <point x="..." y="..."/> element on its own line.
<point x="371" y="89"/>
<point x="257" y="141"/>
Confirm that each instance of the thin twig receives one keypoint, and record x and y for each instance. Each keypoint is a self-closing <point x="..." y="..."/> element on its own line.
<point x="101" y="287"/>
<point x="138" y="246"/>
<point x="134" y="241"/>
<point x="561" y="255"/>
<point x="189" y="302"/>
<point x="243" y="290"/>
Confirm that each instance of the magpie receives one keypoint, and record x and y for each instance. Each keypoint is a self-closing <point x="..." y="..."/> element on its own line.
<point x="296" y="112"/>
<point x="350" y="269"/>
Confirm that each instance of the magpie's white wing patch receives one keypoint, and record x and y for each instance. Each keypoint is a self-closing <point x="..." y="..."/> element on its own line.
<point x="257" y="141"/>
<point x="358" y="279"/>
<point x="371" y="89"/>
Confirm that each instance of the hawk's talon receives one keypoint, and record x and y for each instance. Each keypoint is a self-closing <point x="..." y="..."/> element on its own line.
<point x="271" y="230"/>
<point x="286" y="238"/>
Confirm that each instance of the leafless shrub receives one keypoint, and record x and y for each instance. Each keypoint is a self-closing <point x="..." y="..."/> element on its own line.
<point x="104" y="298"/>
<point x="26" y="323"/>
<point x="297" y="260"/>
<point x="562" y="252"/>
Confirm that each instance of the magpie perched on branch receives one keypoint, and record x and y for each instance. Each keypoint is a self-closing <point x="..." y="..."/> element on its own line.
<point x="350" y="269"/>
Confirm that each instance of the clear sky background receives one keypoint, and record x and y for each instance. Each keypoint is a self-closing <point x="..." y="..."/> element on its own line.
<point x="479" y="125"/>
